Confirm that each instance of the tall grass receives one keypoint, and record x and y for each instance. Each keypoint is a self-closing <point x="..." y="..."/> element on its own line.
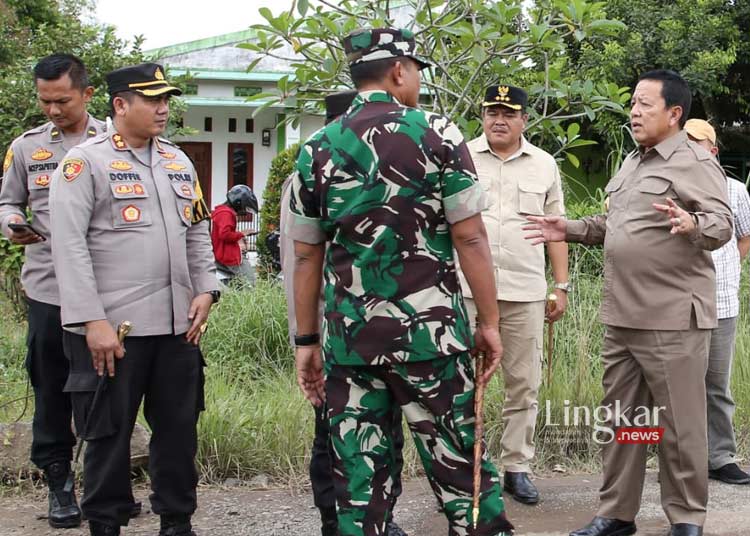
<point x="256" y="421"/>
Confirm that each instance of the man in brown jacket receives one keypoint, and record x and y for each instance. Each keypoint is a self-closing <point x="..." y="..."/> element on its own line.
<point x="668" y="209"/>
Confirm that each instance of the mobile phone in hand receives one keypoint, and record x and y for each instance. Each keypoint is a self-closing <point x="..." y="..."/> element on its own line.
<point x="21" y="227"/>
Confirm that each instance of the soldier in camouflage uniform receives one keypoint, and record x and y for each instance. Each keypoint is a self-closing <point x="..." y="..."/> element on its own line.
<point x="393" y="190"/>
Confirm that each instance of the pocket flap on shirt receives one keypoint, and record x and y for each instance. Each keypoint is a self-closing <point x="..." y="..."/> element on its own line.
<point x="654" y="185"/>
<point x="184" y="190"/>
<point x="532" y="187"/>
<point x="81" y="382"/>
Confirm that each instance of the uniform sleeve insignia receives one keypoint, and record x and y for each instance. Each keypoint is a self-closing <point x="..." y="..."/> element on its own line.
<point x="186" y="190"/>
<point x="8" y="160"/>
<point x="120" y="165"/>
<point x="72" y="168"/>
<point x="41" y="154"/>
<point x="42" y="180"/>
<point x="174" y="166"/>
<point x="187" y="211"/>
<point x="200" y="209"/>
<point x="131" y="214"/>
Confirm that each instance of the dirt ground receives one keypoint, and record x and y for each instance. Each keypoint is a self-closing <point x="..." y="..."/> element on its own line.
<point x="568" y="502"/>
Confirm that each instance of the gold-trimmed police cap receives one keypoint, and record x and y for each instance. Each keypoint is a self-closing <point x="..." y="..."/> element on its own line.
<point x="512" y="97"/>
<point x="147" y="79"/>
<point x="371" y="44"/>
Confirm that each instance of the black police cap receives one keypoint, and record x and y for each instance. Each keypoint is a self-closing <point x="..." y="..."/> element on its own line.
<point x="146" y="79"/>
<point x="512" y="97"/>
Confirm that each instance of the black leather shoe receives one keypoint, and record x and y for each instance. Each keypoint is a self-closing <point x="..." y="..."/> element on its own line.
<point x="329" y="521"/>
<point x="391" y="529"/>
<point x="176" y="525"/>
<point x="685" y="529"/>
<point x="520" y="487"/>
<point x="63" y="507"/>
<point x="604" y="526"/>
<point x="730" y="473"/>
<point x="100" y="529"/>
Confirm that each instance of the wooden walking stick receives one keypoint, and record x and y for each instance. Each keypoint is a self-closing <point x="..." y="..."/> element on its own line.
<point x="551" y="301"/>
<point x="478" y="435"/>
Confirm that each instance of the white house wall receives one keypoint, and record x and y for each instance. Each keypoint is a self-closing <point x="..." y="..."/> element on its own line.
<point x="220" y="138"/>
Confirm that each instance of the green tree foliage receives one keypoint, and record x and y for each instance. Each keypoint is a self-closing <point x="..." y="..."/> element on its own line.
<point x="31" y="29"/>
<point x="706" y="41"/>
<point x="471" y="43"/>
<point x="281" y="167"/>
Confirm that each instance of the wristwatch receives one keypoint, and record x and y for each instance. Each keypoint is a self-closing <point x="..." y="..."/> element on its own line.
<point x="565" y="287"/>
<point x="215" y="295"/>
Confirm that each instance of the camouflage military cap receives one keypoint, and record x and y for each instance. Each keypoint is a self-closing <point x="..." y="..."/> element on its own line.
<point x="374" y="44"/>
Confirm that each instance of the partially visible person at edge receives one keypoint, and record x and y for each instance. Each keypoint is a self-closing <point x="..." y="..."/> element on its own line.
<point x="668" y="209"/>
<point x="132" y="244"/>
<point x="392" y="190"/>
<point x="722" y="445"/>
<point x="518" y="178"/>
<point x="225" y="237"/>
<point x="321" y="470"/>
<point x="63" y="92"/>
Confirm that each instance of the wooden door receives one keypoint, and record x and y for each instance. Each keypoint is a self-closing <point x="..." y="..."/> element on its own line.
<point x="240" y="164"/>
<point x="200" y="153"/>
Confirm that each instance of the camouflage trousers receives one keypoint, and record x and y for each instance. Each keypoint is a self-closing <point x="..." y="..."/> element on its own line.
<point x="437" y="399"/>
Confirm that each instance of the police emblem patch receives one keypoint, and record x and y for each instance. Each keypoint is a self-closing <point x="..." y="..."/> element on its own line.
<point x="8" y="160"/>
<point x="120" y="165"/>
<point x="186" y="190"/>
<point x="187" y="211"/>
<point x="72" y="168"/>
<point x="174" y="166"/>
<point x="41" y="154"/>
<point x="131" y="214"/>
<point x="42" y="180"/>
<point x="139" y="189"/>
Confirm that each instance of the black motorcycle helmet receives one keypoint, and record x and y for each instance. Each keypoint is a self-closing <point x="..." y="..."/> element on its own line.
<point x="242" y="199"/>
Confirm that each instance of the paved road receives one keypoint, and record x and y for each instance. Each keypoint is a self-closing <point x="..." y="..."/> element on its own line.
<point x="567" y="502"/>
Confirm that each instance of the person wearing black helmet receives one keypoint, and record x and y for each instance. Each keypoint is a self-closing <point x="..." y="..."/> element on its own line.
<point x="224" y="234"/>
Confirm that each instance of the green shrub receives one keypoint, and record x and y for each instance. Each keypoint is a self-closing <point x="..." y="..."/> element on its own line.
<point x="281" y="167"/>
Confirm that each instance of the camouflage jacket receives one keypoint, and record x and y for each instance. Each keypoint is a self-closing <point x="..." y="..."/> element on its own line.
<point x="382" y="185"/>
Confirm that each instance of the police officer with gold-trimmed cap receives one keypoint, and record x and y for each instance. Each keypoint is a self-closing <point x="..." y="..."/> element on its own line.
<point x="63" y="93"/>
<point x="132" y="244"/>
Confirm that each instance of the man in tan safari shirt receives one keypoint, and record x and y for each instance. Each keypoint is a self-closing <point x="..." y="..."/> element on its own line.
<point x="668" y="209"/>
<point x="519" y="179"/>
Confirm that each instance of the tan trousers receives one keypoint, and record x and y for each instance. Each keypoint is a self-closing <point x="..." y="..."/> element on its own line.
<point x="652" y="369"/>
<point x="521" y="332"/>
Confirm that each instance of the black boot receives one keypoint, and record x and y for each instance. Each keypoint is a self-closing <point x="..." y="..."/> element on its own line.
<point x="63" y="507"/>
<point x="329" y="522"/>
<point x="100" y="529"/>
<point x="391" y="529"/>
<point x="176" y="525"/>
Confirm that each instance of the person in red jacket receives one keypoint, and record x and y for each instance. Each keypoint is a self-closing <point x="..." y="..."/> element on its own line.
<point x="224" y="234"/>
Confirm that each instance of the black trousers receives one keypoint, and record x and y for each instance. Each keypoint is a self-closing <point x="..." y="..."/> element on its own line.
<point x="52" y="435"/>
<point x="321" y="469"/>
<point x="165" y="371"/>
